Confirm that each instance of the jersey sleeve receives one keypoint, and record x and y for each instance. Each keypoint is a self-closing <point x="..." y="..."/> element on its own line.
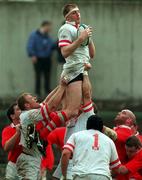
<point x="35" y="115"/>
<point x="6" y="135"/>
<point x="114" y="160"/>
<point x="41" y="114"/>
<point x="70" y="145"/>
<point x="44" y="112"/>
<point x="65" y="37"/>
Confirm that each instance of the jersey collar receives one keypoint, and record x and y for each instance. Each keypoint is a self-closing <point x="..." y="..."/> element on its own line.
<point x="72" y="23"/>
<point x="12" y="125"/>
<point x="123" y="126"/>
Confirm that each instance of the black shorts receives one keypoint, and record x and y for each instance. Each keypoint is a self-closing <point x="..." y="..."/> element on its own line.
<point x="78" y="78"/>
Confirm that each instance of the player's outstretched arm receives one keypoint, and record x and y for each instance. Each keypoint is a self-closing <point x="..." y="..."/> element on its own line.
<point x="50" y="95"/>
<point x="56" y="98"/>
<point x="68" y="50"/>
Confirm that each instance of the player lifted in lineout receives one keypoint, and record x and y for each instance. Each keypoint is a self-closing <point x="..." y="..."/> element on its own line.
<point x="77" y="48"/>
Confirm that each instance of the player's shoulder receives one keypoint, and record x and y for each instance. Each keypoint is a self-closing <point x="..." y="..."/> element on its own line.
<point x="29" y="113"/>
<point x="7" y="128"/>
<point x="66" y="27"/>
<point x="106" y="138"/>
<point x="80" y="133"/>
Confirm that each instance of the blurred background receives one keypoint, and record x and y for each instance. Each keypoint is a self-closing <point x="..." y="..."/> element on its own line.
<point x="116" y="70"/>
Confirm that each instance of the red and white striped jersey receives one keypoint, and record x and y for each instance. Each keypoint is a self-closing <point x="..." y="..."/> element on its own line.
<point x="33" y="116"/>
<point x="93" y="152"/>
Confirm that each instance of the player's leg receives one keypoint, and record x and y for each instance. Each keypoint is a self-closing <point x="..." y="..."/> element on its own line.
<point x="73" y="98"/>
<point x="86" y="89"/>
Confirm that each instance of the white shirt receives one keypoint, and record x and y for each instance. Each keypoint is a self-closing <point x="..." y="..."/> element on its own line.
<point x="31" y="117"/>
<point x="75" y="62"/>
<point x="93" y="153"/>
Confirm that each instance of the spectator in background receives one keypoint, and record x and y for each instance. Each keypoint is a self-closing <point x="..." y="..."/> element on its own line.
<point x="40" y="47"/>
<point x="10" y="141"/>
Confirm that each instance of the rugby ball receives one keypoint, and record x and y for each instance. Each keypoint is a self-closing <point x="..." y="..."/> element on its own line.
<point x="80" y="29"/>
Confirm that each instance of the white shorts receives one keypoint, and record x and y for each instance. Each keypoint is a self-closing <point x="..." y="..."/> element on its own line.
<point x="11" y="171"/>
<point x="28" y="167"/>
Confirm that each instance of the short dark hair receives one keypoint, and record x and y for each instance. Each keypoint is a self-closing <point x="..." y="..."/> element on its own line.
<point x="67" y="8"/>
<point x="95" y="122"/>
<point x="21" y="101"/>
<point x="45" y="23"/>
<point x="10" y="111"/>
<point x="133" y="141"/>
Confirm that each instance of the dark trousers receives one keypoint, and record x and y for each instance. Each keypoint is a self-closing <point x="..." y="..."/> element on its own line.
<point x="42" y="67"/>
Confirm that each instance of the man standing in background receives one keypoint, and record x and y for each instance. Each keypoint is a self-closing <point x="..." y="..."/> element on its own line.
<point x="39" y="47"/>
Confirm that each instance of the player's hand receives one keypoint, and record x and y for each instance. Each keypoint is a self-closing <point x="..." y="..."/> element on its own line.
<point x="34" y="59"/>
<point x="64" y="81"/>
<point x="87" y="66"/>
<point x="85" y="33"/>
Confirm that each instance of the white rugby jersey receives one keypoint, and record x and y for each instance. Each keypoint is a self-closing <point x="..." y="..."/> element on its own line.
<point x="75" y="62"/>
<point x="93" y="153"/>
<point x="30" y="117"/>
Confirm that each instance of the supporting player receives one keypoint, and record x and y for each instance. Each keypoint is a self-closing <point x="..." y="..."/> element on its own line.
<point x="33" y="113"/>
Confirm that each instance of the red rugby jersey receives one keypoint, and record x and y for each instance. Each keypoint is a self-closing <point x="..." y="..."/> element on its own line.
<point x="7" y="133"/>
<point x="123" y="133"/>
<point x="135" y="166"/>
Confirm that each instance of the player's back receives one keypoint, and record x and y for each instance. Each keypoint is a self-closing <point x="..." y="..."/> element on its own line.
<point x="93" y="151"/>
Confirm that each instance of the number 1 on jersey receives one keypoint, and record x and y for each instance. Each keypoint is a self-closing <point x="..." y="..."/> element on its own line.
<point x="96" y="142"/>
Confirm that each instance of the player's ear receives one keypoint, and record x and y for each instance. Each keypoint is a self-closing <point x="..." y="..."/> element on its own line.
<point x="27" y="105"/>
